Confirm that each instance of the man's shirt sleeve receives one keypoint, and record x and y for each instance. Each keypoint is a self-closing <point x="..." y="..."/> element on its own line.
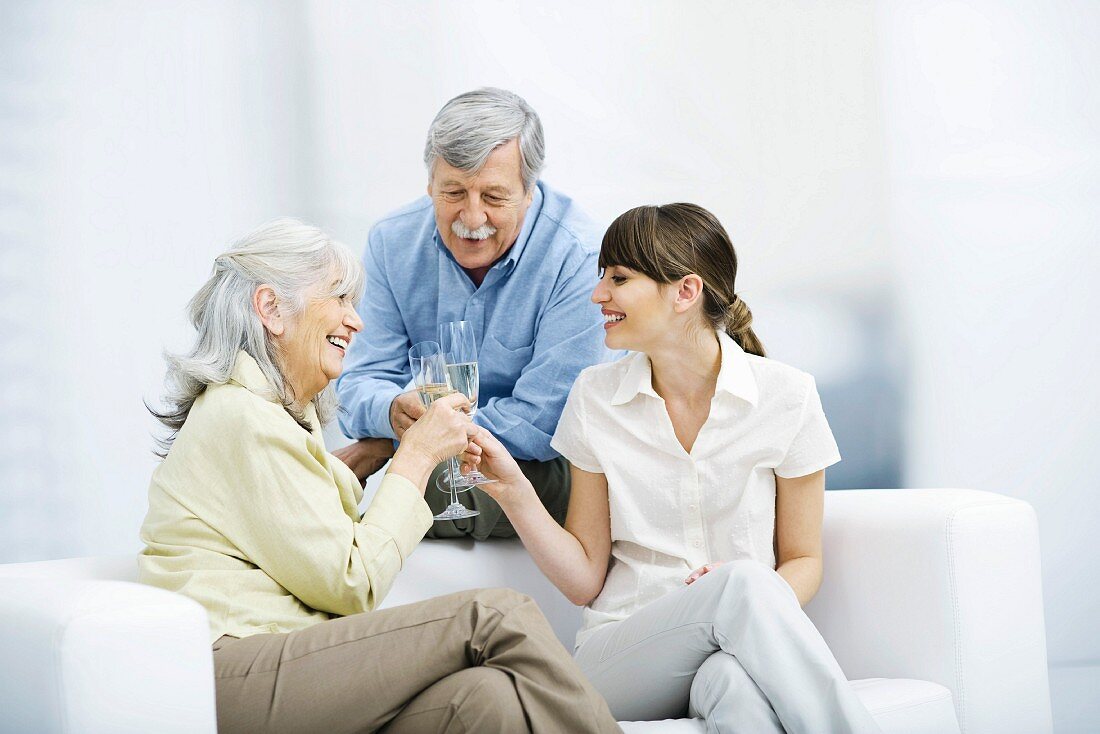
<point x="376" y="367"/>
<point x="568" y="339"/>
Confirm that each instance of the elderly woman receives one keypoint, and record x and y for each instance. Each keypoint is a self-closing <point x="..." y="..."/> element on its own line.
<point x="250" y="516"/>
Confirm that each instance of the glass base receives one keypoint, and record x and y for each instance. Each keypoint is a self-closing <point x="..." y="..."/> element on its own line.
<point x="455" y="511"/>
<point x="465" y="481"/>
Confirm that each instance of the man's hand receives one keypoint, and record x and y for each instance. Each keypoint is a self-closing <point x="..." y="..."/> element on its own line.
<point x="405" y="409"/>
<point x="365" y="456"/>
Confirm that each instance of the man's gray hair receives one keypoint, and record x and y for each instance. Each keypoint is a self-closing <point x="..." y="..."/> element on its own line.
<point x="294" y="259"/>
<point x="472" y="125"/>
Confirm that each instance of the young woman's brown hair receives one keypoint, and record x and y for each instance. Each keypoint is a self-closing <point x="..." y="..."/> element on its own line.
<point x="666" y="243"/>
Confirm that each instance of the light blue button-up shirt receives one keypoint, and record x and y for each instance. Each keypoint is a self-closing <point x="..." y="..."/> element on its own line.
<point x="535" y="325"/>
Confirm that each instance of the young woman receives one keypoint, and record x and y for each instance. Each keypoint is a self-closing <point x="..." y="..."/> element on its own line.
<point x="694" y="529"/>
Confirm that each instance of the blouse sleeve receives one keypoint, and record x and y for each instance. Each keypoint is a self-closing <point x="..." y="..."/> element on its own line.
<point x="813" y="447"/>
<point x="571" y="437"/>
<point x="276" y="502"/>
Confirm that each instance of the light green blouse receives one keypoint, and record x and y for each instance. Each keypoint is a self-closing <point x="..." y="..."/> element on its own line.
<point x="251" y="517"/>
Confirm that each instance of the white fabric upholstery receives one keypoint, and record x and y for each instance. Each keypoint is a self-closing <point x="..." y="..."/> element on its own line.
<point x="940" y="585"/>
<point x="106" y="657"/>
<point x="937" y="589"/>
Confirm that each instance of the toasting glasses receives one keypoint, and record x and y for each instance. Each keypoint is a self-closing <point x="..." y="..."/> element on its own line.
<point x="429" y="371"/>
<point x="459" y="347"/>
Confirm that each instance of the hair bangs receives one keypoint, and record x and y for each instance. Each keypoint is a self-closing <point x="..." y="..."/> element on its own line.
<point x="633" y="241"/>
<point x="349" y="278"/>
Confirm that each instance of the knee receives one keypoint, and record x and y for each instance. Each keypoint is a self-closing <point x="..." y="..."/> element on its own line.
<point x="753" y="583"/>
<point x="501" y="599"/>
<point x="748" y="575"/>
<point x="499" y="603"/>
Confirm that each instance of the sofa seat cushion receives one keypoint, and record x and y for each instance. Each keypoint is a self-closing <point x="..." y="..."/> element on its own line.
<point x="906" y="706"/>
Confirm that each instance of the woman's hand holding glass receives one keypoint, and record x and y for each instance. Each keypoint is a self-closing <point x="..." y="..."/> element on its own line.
<point x="508" y="482"/>
<point x="441" y="433"/>
<point x="432" y="383"/>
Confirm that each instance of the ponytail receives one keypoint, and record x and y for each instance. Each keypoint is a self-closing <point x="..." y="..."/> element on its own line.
<point x="739" y="326"/>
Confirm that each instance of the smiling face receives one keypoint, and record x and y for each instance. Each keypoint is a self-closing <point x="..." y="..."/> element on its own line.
<point x="314" y="341"/>
<point x="639" y="313"/>
<point x="480" y="214"/>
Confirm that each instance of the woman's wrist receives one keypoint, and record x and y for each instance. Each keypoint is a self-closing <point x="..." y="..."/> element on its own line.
<point x="518" y="495"/>
<point x="414" y="464"/>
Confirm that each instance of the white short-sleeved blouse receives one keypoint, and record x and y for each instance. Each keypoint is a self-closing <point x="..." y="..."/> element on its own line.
<point x="671" y="511"/>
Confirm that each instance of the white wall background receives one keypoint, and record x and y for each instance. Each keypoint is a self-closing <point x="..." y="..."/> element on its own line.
<point x="931" y="169"/>
<point x="993" y="122"/>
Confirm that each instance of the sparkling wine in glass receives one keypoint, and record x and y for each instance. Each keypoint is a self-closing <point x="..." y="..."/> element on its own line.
<point x="429" y="372"/>
<point x="459" y="347"/>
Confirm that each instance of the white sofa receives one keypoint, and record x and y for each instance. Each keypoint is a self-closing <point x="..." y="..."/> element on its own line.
<point x="931" y="603"/>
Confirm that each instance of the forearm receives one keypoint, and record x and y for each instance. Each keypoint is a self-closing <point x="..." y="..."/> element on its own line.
<point x="413" y="465"/>
<point x="804" y="576"/>
<point x="557" y="552"/>
<point x="513" y="422"/>
<point x="366" y="402"/>
<point x="569" y="340"/>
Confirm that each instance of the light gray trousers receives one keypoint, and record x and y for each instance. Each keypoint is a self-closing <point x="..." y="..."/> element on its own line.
<point x="734" y="648"/>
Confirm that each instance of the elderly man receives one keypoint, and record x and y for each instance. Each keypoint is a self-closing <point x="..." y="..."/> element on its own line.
<point x="493" y="245"/>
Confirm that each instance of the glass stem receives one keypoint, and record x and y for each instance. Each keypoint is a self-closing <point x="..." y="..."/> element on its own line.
<point x="454" y="480"/>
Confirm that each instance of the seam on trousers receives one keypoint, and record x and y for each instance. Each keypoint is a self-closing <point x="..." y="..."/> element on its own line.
<point x="349" y="642"/>
<point x="454" y="716"/>
<point x="662" y="633"/>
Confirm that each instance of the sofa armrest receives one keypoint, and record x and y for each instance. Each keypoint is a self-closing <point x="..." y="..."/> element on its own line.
<point x="940" y="585"/>
<point x="102" y="656"/>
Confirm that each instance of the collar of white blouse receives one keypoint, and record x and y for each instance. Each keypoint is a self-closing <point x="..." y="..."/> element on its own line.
<point x="734" y="376"/>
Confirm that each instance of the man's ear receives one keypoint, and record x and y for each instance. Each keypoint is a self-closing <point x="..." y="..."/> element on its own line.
<point x="266" y="305"/>
<point x="688" y="291"/>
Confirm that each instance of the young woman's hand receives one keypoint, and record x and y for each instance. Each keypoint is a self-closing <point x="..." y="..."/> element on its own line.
<point x="493" y="460"/>
<point x="701" y="571"/>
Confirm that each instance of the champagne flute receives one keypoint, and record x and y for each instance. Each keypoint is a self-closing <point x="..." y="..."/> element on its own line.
<point x="429" y="373"/>
<point x="459" y="347"/>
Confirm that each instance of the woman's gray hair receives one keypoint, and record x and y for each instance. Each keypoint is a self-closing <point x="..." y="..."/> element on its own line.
<point x="472" y="125"/>
<point x="291" y="257"/>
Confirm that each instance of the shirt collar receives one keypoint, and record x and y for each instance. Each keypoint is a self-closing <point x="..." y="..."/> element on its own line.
<point x="638" y="379"/>
<point x="247" y="374"/>
<point x="734" y="375"/>
<point x="511" y="257"/>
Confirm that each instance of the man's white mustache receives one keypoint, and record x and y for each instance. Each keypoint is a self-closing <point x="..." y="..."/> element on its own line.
<point x="483" y="232"/>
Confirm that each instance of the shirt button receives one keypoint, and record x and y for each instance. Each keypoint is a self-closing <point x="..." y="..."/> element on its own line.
<point x="697" y="543"/>
<point x="691" y="507"/>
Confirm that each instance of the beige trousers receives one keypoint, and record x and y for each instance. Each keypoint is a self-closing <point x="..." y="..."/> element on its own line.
<point x="477" y="661"/>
